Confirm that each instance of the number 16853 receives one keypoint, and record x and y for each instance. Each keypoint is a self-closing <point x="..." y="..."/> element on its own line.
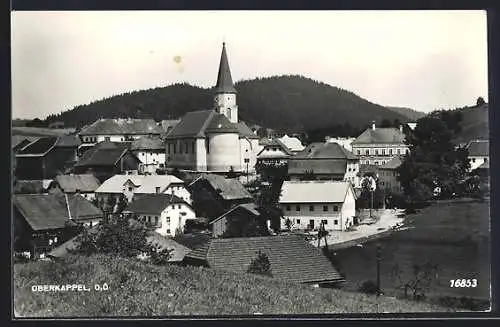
<point x="463" y="282"/>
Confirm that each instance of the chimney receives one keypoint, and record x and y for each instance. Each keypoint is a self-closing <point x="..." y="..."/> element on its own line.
<point x="373" y="125"/>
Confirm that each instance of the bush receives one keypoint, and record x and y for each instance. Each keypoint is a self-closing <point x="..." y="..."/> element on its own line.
<point x="260" y="265"/>
<point x="159" y="256"/>
<point x="368" y="287"/>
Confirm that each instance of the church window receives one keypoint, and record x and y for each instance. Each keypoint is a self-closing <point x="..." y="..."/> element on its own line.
<point x="228" y="113"/>
<point x="174" y="148"/>
<point x="207" y="145"/>
<point x="192" y="147"/>
<point x="187" y="147"/>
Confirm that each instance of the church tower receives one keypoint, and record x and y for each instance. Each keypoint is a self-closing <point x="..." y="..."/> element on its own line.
<point x="225" y="93"/>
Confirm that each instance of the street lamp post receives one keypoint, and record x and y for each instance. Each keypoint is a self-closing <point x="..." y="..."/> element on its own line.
<point x="379" y="259"/>
<point x="246" y="161"/>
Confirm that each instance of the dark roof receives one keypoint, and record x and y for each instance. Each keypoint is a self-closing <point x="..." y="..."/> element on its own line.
<point x="122" y="126"/>
<point x="227" y="188"/>
<point x="245" y="131"/>
<point x="50" y="211"/>
<point x="317" y="166"/>
<point x="193" y="124"/>
<point x="193" y="240"/>
<point x="479" y="148"/>
<point x="153" y="203"/>
<point x="220" y="124"/>
<point x="148" y="143"/>
<point x="21" y="141"/>
<point x="68" y="141"/>
<point x="248" y="208"/>
<point x="224" y="80"/>
<point x="327" y="150"/>
<point x="278" y="143"/>
<point x="103" y="154"/>
<point x="39" y="147"/>
<point x="83" y="183"/>
<point x="291" y="257"/>
<point x="31" y="186"/>
<point x="365" y="168"/>
<point x="380" y="135"/>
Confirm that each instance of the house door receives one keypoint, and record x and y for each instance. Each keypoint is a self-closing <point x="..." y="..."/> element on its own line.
<point x="311" y="223"/>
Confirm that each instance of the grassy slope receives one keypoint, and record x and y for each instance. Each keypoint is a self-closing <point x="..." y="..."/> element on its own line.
<point x="475" y="124"/>
<point x="453" y="234"/>
<point x="136" y="289"/>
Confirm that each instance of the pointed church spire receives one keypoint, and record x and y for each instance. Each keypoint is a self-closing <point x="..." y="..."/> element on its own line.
<point x="224" y="80"/>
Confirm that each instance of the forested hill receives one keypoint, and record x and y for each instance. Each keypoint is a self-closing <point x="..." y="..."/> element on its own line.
<point x="292" y="103"/>
<point x="474" y="123"/>
<point x="410" y="113"/>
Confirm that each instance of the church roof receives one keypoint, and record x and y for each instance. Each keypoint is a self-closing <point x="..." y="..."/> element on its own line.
<point x="224" y="80"/>
<point x="193" y="124"/>
<point x="220" y="124"/>
<point x="245" y="131"/>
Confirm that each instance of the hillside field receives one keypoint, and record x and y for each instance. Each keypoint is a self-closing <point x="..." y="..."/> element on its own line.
<point x="139" y="289"/>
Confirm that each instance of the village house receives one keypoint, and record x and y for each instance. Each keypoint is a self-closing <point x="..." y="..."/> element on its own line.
<point x="107" y="159"/>
<point x="117" y="130"/>
<point x="274" y="153"/>
<point x="85" y="185"/>
<point x="166" y="214"/>
<point x="132" y="185"/>
<point x="325" y="161"/>
<point x="168" y="124"/>
<point x="479" y="153"/>
<point x="291" y="257"/>
<point x="151" y="152"/>
<point x="46" y="157"/>
<point x="388" y="175"/>
<point x="237" y="218"/>
<point x="377" y="146"/>
<point x="292" y="143"/>
<point x="214" y="140"/>
<point x="309" y="204"/>
<point x="213" y="195"/>
<point x="42" y="221"/>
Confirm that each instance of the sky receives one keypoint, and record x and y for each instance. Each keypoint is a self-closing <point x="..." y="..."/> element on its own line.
<point x="424" y="60"/>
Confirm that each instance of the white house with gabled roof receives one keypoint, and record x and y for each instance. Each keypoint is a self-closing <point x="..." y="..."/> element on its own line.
<point x="309" y="204"/>
<point x="132" y="186"/>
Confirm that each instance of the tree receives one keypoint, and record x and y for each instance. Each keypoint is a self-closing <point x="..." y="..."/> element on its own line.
<point x="433" y="162"/>
<point x="480" y="101"/>
<point x="386" y="123"/>
<point x="396" y="123"/>
<point x="118" y="236"/>
<point x="418" y="282"/>
<point x="260" y="265"/>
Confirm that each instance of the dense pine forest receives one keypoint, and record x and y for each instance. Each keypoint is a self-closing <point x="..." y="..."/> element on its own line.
<point x="291" y="103"/>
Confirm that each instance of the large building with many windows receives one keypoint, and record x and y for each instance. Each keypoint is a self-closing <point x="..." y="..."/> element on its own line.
<point x="377" y="146"/>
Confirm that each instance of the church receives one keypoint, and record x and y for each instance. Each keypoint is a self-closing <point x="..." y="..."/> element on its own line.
<point x="214" y="140"/>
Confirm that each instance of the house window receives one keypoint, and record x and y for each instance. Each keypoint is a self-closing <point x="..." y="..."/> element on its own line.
<point x="288" y="208"/>
<point x="376" y="162"/>
<point x="324" y="222"/>
<point x="407" y="151"/>
<point x="311" y="208"/>
<point x="367" y="152"/>
<point x="359" y="152"/>
<point x="376" y="152"/>
<point x="168" y="231"/>
<point x="383" y="152"/>
<point x="107" y="138"/>
<point x="298" y="221"/>
<point x="173" y="206"/>
<point x="335" y="208"/>
<point x="399" y="151"/>
<point x="179" y="206"/>
<point x="325" y="208"/>
<point x="473" y="159"/>
<point x="390" y="152"/>
<point x="336" y="222"/>
<point x="157" y="190"/>
<point x="297" y="207"/>
<point x="130" y="189"/>
<point x="485" y="159"/>
<point x="168" y="220"/>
